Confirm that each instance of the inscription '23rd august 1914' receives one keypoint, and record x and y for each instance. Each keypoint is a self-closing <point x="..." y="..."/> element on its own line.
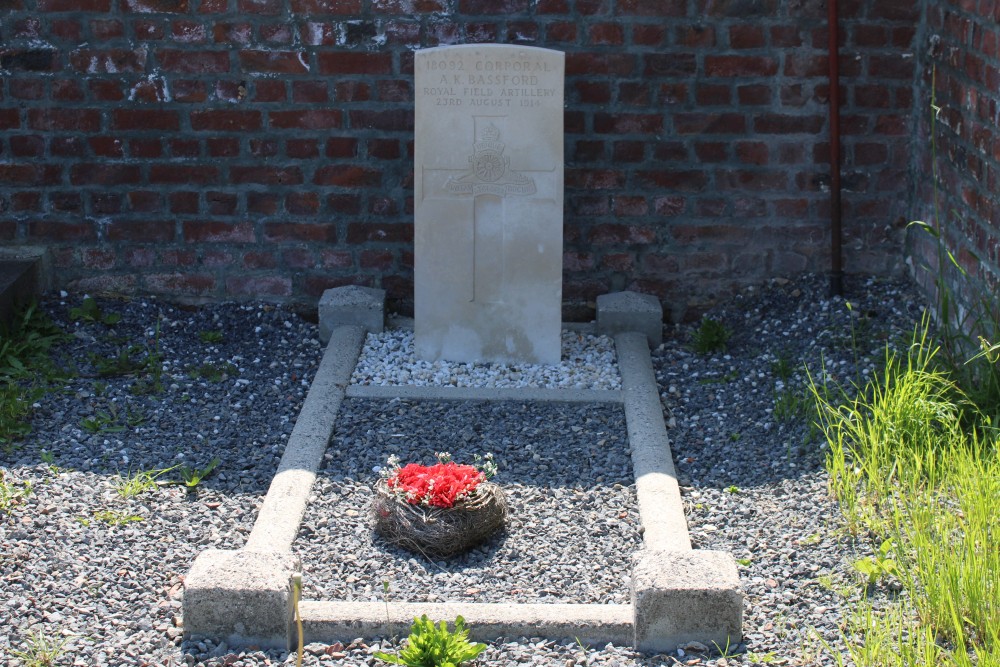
<point x="487" y="83"/>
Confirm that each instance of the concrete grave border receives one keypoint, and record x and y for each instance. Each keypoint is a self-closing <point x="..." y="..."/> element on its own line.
<point x="679" y="595"/>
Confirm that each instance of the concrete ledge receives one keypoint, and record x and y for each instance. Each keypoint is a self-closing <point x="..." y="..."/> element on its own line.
<point x="630" y="311"/>
<point x="244" y="597"/>
<point x="684" y="596"/>
<point x="592" y="624"/>
<point x="285" y="503"/>
<point x="411" y="392"/>
<point x="661" y="510"/>
<point x="351" y="305"/>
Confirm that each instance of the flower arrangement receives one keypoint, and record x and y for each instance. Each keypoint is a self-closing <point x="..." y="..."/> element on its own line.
<point x="440" y="509"/>
<point x="439" y="485"/>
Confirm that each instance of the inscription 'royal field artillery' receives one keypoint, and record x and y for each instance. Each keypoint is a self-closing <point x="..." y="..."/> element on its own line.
<point x="488" y="166"/>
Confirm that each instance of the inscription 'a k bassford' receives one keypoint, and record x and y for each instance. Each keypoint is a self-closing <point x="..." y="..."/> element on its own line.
<point x="488" y="203"/>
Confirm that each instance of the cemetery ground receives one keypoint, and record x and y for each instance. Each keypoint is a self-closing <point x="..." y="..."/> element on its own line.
<point x="155" y="430"/>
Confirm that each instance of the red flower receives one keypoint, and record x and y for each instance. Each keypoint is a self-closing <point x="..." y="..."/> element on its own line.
<point x="439" y="485"/>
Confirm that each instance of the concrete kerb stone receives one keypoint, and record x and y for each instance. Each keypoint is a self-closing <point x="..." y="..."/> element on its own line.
<point x="684" y="596"/>
<point x="621" y="312"/>
<point x="351" y="305"/>
<point x="415" y="393"/>
<point x="243" y="595"/>
<point x="595" y="624"/>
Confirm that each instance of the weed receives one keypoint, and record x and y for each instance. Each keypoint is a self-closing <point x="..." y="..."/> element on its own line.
<point x="40" y="650"/>
<point x="15" y="409"/>
<point x="732" y="489"/>
<point x="116" y="518"/>
<point x="734" y="436"/>
<point x="782" y="368"/>
<point x="745" y="562"/>
<point x="769" y="658"/>
<point x="810" y="540"/>
<point x="711" y="336"/>
<point x="192" y="477"/>
<point x="792" y="405"/>
<point x="101" y="422"/>
<point x="213" y="372"/>
<point x="878" y="566"/>
<point x="89" y="311"/>
<point x="11" y="492"/>
<point x="211" y="336"/>
<point x="137" y="483"/>
<point x="435" y="646"/>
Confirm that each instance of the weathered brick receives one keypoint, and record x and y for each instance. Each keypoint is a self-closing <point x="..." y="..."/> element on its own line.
<point x="61" y="231"/>
<point x="379" y="233"/>
<point x="277" y="62"/>
<point x="266" y="175"/>
<point x="341" y="7"/>
<point x="192" y="62"/>
<point x="740" y="66"/>
<point x="312" y="119"/>
<point x="351" y="176"/>
<point x="202" y="231"/>
<point x="186" y="284"/>
<point x="97" y="6"/>
<point x="108" y="61"/>
<point x="29" y="60"/>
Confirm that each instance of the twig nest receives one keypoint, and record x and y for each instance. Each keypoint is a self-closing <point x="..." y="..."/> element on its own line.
<point x="438" y="531"/>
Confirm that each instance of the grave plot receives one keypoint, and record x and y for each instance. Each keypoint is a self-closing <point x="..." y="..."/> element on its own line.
<point x="573" y="526"/>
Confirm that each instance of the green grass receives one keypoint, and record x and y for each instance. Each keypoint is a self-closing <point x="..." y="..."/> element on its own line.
<point x="11" y="492"/>
<point x="40" y="650"/>
<point x="115" y="517"/>
<point x="915" y="468"/>
<point x="137" y="483"/>
<point x="213" y="372"/>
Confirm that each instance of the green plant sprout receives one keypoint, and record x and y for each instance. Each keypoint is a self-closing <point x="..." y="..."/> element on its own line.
<point x="711" y="336"/>
<point x="732" y="488"/>
<point x="89" y="311"/>
<point x="211" y="336"/>
<point x="435" y="646"/>
<point x="878" y="566"/>
<point x="192" y="477"/>
<point x="116" y="518"/>
<point x="40" y="650"/>
<point x="213" y="372"/>
<point x="11" y="492"/>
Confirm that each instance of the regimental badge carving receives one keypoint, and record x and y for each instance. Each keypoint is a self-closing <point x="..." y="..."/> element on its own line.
<point x="489" y="170"/>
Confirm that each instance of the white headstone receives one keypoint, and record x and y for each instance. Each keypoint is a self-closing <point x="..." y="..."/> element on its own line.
<point x="488" y="200"/>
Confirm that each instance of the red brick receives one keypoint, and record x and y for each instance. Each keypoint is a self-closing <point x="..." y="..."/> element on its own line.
<point x="648" y="35"/>
<point x="784" y="124"/>
<point x="53" y="230"/>
<point x="593" y="92"/>
<point x="347" y="176"/>
<point x="99" y="6"/>
<point x="595" y="179"/>
<point x="408" y="7"/>
<point x="746" y="37"/>
<point x="630" y="206"/>
<point x="379" y="233"/>
<point x="226" y="120"/>
<point x="606" y="34"/>
<point x="277" y="33"/>
<point x="752" y="152"/>
<point x="259" y="260"/>
<point x="596" y="64"/>
<point x="264" y="148"/>
<point x="710" y="123"/>
<point x="29" y="60"/>
<point x="628" y="151"/>
<point x="106" y="147"/>
<point x="711" y="151"/>
<point x="143" y="201"/>
<point x="200" y="231"/>
<point x="501" y="7"/>
<point x="27" y="145"/>
<point x="25" y="201"/>
<point x="344" y="203"/>
<point x="384" y="149"/>
<point x="301" y="203"/>
<point x="668" y="64"/>
<point x="621" y="123"/>
<point x="266" y="175"/>
<point x="617" y="261"/>
<point x="354" y="62"/>
<point x="223" y="146"/>
<point x="552" y="6"/>
<point x="186" y="284"/>
<point x="156" y="6"/>
<point x="310" y="92"/>
<point x="145" y="119"/>
<point x="9" y="119"/>
<point x="104" y="174"/>
<point x="66" y="202"/>
<point x="740" y="66"/>
<point x="342" y="7"/>
<point x="757" y="180"/>
<point x="695" y="36"/>
<point x="107" y="29"/>
<point x="391" y="120"/>
<point x="669" y="206"/>
<point x="593" y="7"/>
<point x="139" y="258"/>
<point x="266" y="7"/>
<point x="171" y="172"/>
<point x="182" y="147"/>
<point x="359" y="91"/>
<point x="278" y="232"/>
<point x="262" y="203"/>
<point x="256" y="286"/>
<point x="674" y="8"/>
<point x="108" y="61"/>
<point x="67" y="147"/>
<point x="312" y="119"/>
<point x="26" y="89"/>
<point x="81" y="120"/>
<point x="754" y="95"/>
<point x="68" y="30"/>
<point x="379" y="260"/>
<point x="689" y="180"/>
<point x="560" y="32"/>
<point x="302" y="148"/>
<point x="192" y="62"/>
<point x="277" y="62"/>
<point x="618" y="234"/>
<point x="221" y="203"/>
<point x="713" y="95"/>
<point x="98" y="258"/>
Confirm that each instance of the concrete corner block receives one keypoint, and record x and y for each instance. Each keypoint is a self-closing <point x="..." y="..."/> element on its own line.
<point x="242" y="597"/>
<point x="630" y="311"/>
<point x="353" y="305"/>
<point x="684" y="596"/>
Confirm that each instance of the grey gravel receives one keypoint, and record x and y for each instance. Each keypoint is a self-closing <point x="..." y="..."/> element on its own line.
<point x="752" y="481"/>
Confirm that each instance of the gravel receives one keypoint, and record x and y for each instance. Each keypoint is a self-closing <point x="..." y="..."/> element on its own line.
<point x="751" y="474"/>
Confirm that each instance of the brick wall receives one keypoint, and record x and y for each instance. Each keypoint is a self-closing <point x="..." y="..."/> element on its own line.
<point x="961" y="68"/>
<point x="220" y="149"/>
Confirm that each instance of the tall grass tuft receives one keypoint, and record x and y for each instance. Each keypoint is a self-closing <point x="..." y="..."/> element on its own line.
<point x="912" y="460"/>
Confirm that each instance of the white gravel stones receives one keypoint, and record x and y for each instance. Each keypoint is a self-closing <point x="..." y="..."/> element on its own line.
<point x="388" y="359"/>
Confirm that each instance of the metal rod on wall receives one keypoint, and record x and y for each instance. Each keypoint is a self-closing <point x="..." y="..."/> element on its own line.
<point x="836" y="260"/>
